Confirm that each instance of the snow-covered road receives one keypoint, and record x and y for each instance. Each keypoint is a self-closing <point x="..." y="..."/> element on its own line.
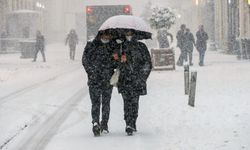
<point x="35" y="93"/>
<point x="52" y="110"/>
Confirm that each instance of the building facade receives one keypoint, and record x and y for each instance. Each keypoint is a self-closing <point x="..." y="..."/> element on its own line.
<point x="3" y="5"/>
<point x="244" y="20"/>
<point x="63" y="15"/>
<point x="221" y="24"/>
<point x="232" y="21"/>
<point x="207" y="16"/>
<point x="55" y="17"/>
<point x="19" y="16"/>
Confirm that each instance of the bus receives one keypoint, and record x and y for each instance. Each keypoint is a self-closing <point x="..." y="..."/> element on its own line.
<point x="96" y="15"/>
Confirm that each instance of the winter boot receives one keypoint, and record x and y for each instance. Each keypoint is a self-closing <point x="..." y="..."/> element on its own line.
<point x="96" y="129"/>
<point x="134" y="126"/>
<point x="129" y="130"/>
<point x="104" y="128"/>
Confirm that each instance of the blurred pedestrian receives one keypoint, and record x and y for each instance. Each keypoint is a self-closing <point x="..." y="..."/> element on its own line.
<point x="201" y="44"/>
<point x="72" y="40"/>
<point x="98" y="63"/>
<point x="189" y="43"/>
<point x="180" y="43"/>
<point x="40" y="46"/>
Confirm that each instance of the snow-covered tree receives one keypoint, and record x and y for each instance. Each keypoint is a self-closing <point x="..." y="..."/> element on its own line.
<point x="162" y="17"/>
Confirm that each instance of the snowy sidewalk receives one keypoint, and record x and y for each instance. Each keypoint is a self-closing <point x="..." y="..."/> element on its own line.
<point x="220" y="120"/>
<point x="16" y="73"/>
<point x="32" y="91"/>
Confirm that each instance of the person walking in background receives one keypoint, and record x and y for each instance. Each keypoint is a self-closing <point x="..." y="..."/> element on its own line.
<point x="40" y="46"/>
<point x="201" y="44"/>
<point x="135" y="67"/>
<point x="72" y="40"/>
<point x="98" y="63"/>
<point x="180" y="44"/>
<point x="189" y="43"/>
<point x="162" y="37"/>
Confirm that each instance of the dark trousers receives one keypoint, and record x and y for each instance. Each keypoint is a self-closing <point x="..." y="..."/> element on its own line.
<point x="72" y="52"/>
<point x="100" y="97"/>
<point x="182" y="57"/>
<point x="190" y="57"/>
<point x="42" y="52"/>
<point x="131" y="107"/>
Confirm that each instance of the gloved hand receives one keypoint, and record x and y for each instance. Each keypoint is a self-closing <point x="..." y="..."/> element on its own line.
<point x="123" y="58"/>
<point x="115" y="56"/>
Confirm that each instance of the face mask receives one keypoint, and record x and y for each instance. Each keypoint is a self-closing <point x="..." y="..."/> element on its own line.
<point x="104" y="41"/>
<point x="129" y="38"/>
<point x="118" y="41"/>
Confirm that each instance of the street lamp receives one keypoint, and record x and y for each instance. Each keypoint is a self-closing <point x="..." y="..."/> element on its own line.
<point x="196" y="2"/>
<point x="40" y="5"/>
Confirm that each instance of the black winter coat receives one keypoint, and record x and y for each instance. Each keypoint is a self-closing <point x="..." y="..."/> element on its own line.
<point x="72" y="39"/>
<point x="180" y="39"/>
<point x="201" y="42"/>
<point x="189" y="42"/>
<point x="98" y="63"/>
<point x="134" y="73"/>
<point x="40" y="42"/>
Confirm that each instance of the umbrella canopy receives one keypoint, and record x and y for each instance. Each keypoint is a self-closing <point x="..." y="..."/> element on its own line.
<point x="142" y="30"/>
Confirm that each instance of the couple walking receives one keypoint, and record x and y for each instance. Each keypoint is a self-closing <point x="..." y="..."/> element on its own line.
<point x="100" y="58"/>
<point x="186" y="43"/>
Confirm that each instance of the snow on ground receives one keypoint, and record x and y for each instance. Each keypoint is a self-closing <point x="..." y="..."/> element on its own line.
<point x="219" y="121"/>
<point x="15" y="71"/>
<point x="31" y="91"/>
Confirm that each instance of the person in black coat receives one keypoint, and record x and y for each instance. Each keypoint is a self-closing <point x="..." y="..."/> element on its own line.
<point x="40" y="46"/>
<point x="201" y="44"/>
<point x="98" y="63"/>
<point x="189" y="43"/>
<point x="180" y="44"/>
<point x="72" y="40"/>
<point x="135" y="67"/>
